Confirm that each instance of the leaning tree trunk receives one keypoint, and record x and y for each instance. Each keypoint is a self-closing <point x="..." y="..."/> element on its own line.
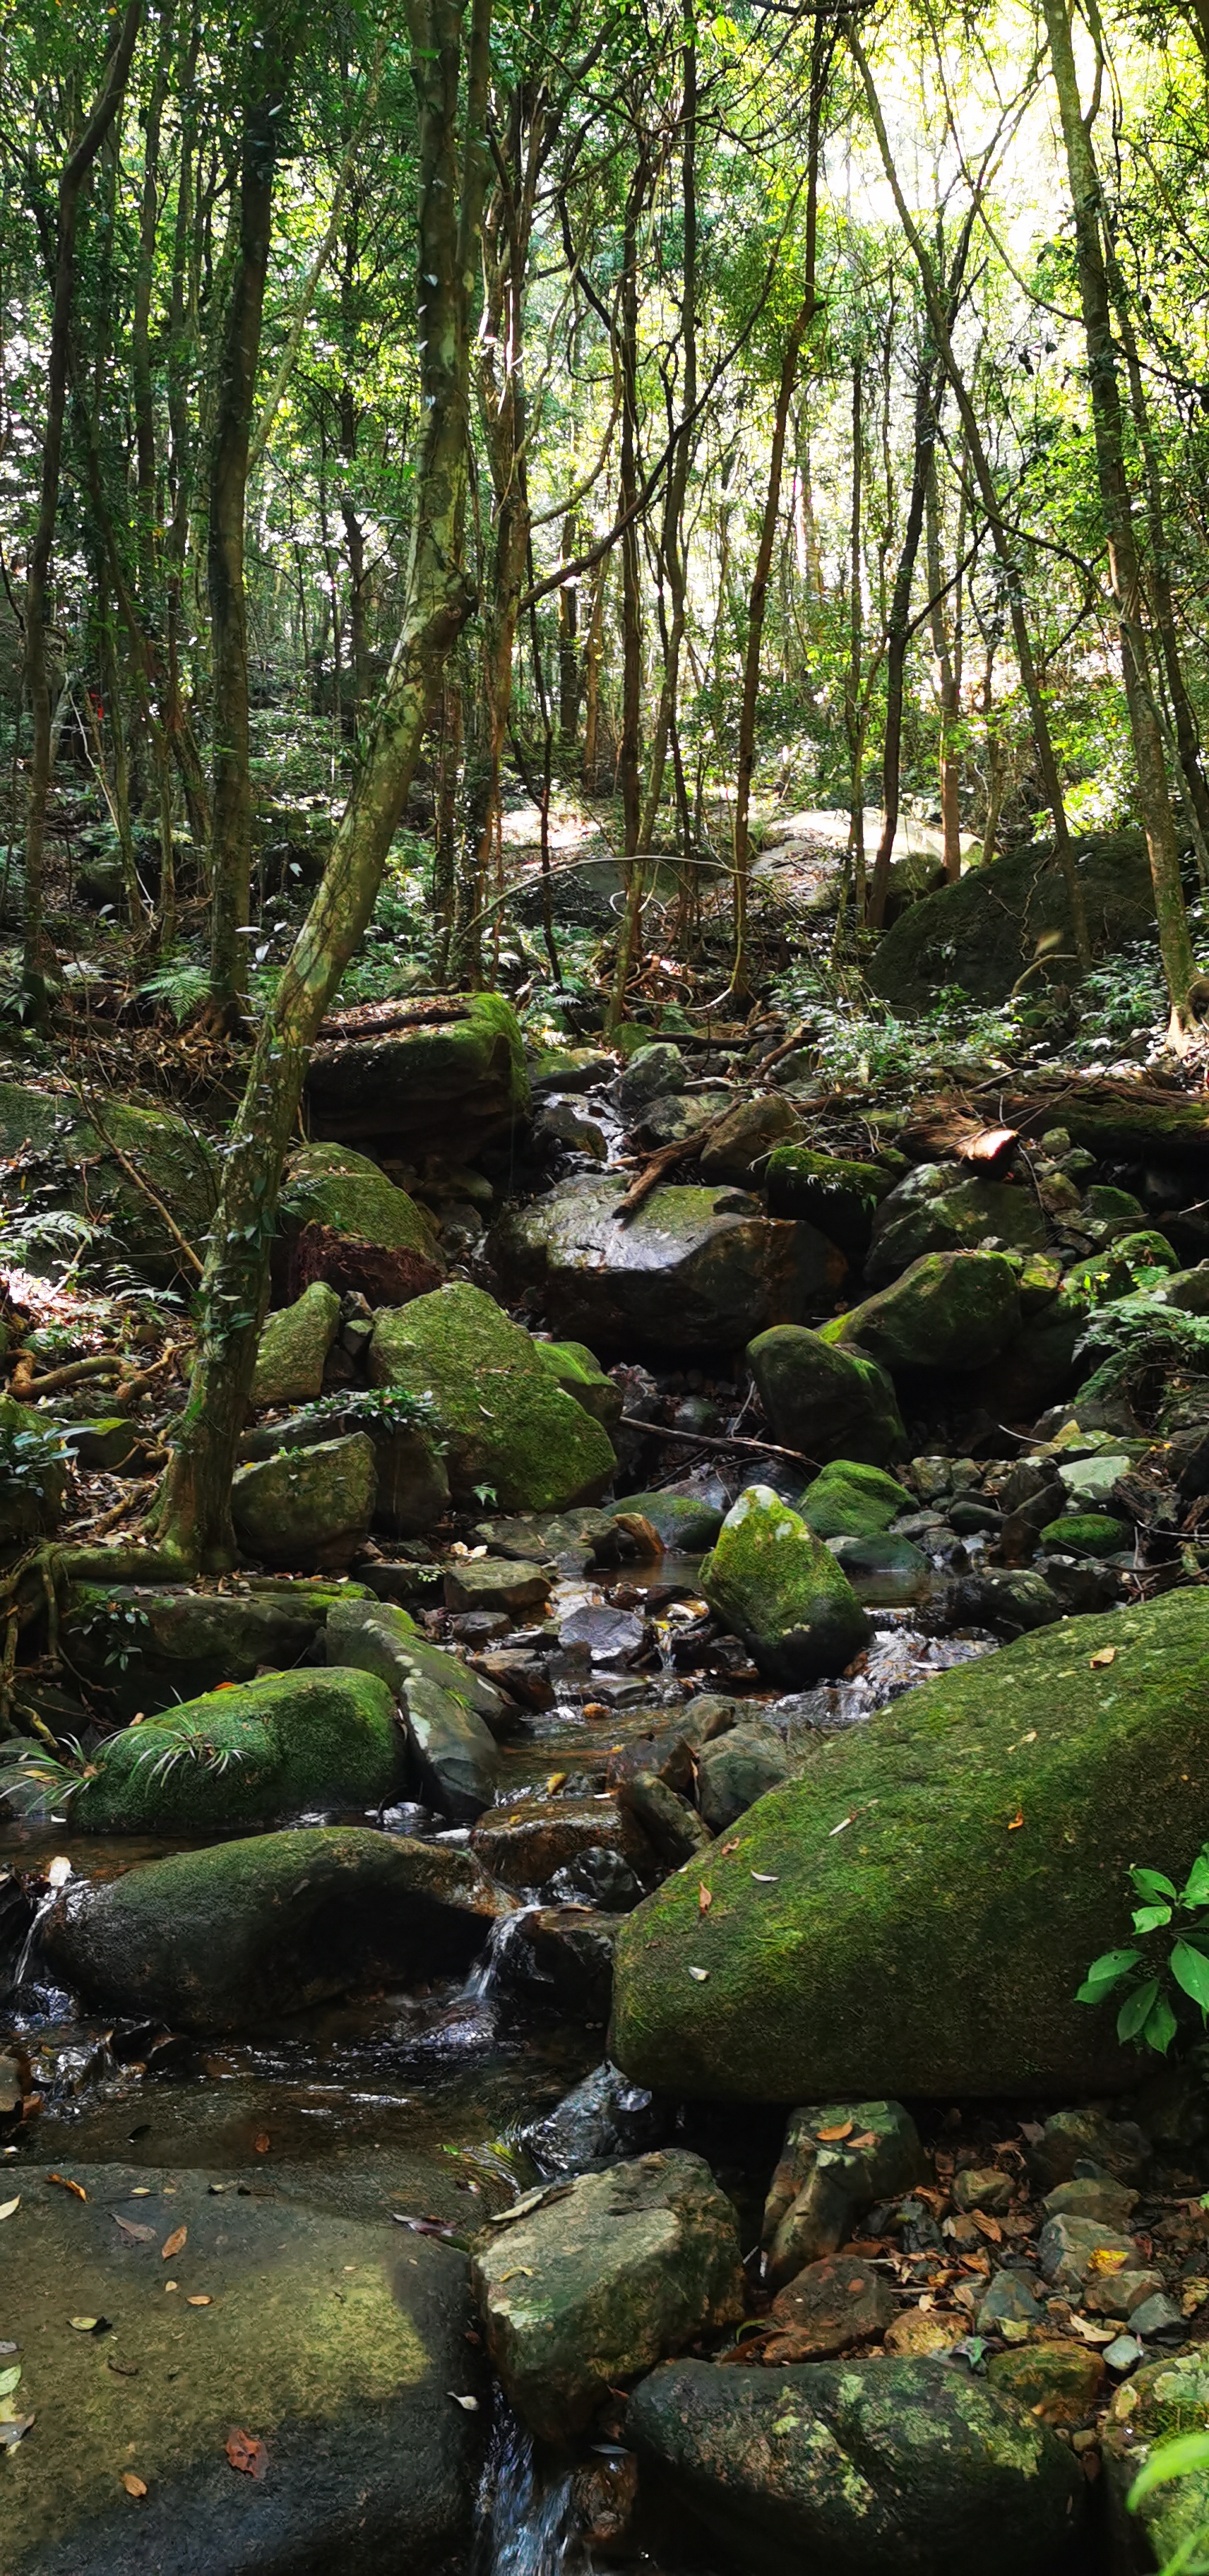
<point x="72" y="182"/>
<point x="195" y="1512"/>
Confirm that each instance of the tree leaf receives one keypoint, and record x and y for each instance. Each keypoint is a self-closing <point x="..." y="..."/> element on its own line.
<point x="246" y="2452"/>
<point x="1103" y="1655"/>
<point x="65" y="2183"/>
<point x="1135" y="2008"/>
<point x="1147" y="1918"/>
<point x="8" y="2207"/>
<point x="1196" y="1890"/>
<point x="1190" y="1968"/>
<point x="173" y="2244"/>
<point x="1151" y="1882"/>
<point x="1105" y="1973"/>
<point x="1161" y="2026"/>
<point x="134" y="2486"/>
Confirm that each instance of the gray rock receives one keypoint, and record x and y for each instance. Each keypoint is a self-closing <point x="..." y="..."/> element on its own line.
<point x="1068" y="2249"/>
<point x="651" y="1071"/>
<point x="819" y="2186"/>
<point x="674" y="1828"/>
<point x="611" y="1636"/>
<point x="1156" y="2315"/>
<point x="496" y="1583"/>
<point x="825" y="1403"/>
<point x="1097" y="2197"/>
<point x="737" y="1768"/>
<point x="602" y="2120"/>
<point x="1071" y="2139"/>
<point x="739" y="1149"/>
<point x="1010" y="2300"/>
<point x="936" y="1209"/>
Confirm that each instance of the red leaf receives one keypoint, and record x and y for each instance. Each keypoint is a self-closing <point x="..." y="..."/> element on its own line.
<point x="246" y="2451"/>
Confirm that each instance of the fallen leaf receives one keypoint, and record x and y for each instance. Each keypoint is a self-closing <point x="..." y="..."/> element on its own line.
<point x="987" y="2226"/>
<point x="867" y="2138"/>
<point x="200" y="2299"/>
<point x="131" y="2227"/>
<point x="1108" y="2258"/>
<point x="173" y="2244"/>
<point x="724" y="1848"/>
<point x="10" y="2379"/>
<point x="842" y="1826"/>
<point x="170" y="2285"/>
<point x="65" y="2183"/>
<point x="246" y="2451"/>
<point x="13" y="2429"/>
<point x="134" y="2486"/>
<point x="1102" y="1655"/>
<point x="699" y="1975"/>
<point x="87" y="2325"/>
<point x="557" y="1780"/>
<point x="766" y="1877"/>
<point x="705" y="1898"/>
<point x="469" y="2405"/>
<point x="1015" y="1822"/>
<point x="519" y="2272"/>
<point x="830" y="2137"/>
<point x="7" y="2207"/>
<point x="262" y="2143"/>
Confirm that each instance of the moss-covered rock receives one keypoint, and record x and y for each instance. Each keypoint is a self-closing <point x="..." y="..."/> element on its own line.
<point x="937" y="1208"/>
<point x="865" y="2466"/>
<point x="255" y="1753"/>
<point x="148" y="1646"/>
<point x="950" y="1310"/>
<point x="495" y="1403"/>
<point x="741" y="1143"/>
<point x="227" y="1938"/>
<point x="293" y="1347"/>
<point x="579" y="1373"/>
<point x="80" y="1169"/>
<point x="453" y="1759"/>
<point x="413" y="1487"/>
<point x="990" y="1817"/>
<point x="307" y="1507"/>
<point x="592" y="2287"/>
<point x="1163" y="2399"/>
<point x="339" y="2352"/>
<point x="781" y="1591"/>
<point x="853" y="1501"/>
<point x="823" y="1402"/>
<point x="433" y="1083"/>
<point x="735" y="1769"/>
<point x="984" y="931"/>
<point x="342" y="1220"/>
<point x="1087" y="1534"/>
<point x="686" y="1272"/>
<point x="683" y="1522"/>
<point x="837" y="1196"/>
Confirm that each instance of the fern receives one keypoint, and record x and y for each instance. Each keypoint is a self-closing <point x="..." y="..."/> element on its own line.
<point x="1131" y="1335"/>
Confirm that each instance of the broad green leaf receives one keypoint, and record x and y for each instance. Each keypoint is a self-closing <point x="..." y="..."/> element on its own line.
<point x="1175" y="2459"/>
<point x="1135" y="2009"/>
<point x="1196" y="1891"/>
<point x="1151" y="1882"/>
<point x="1161" y="2026"/>
<point x="1105" y="1973"/>
<point x="9" y="2379"/>
<point x="1190" y="1968"/>
<point x="1147" y="1918"/>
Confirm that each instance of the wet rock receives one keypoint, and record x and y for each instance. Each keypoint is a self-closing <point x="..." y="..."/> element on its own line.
<point x="562" y="1124"/>
<point x="1094" y="2196"/>
<point x="496" y="1583"/>
<point x="950" y="1310"/>
<point x="852" y="1501"/>
<point x="675" y="1118"/>
<point x="527" y="1841"/>
<point x="148" y="1646"/>
<point x="600" y="1878"/>
<point x="312" y="1507"/>
<point x="936" y="1209"/>
<point x="651" y="1073"/>
<point x="983" y="2187"/>
<point x="838" y="1197"/>
<point x="1011" y="1603"/>
<point x="777" y="1587"/>
<point x="611" y="1636"/>
<point x="673" y="1828"/>
<point x="868" y="2465"/>
<point x="883" y="1572"/>
<point x="684" y="1273"/>
<point x="1080" y="1587"/>
<point x="429" y="1085"/>
<point x="684" y="1522"/>
<point x="1057" y="2380"/>
<point x="253" y="1753"/>
<point x="836" y="2160"/>
<point x="831" y="2305"/>
<point x="365" y="2458"/>
<point x="1119" y="2293"/>
<point x="293" y="1347"/>
<point x="83" y="1172"/>
<point x="1071" y="2138"/>
<point x="559" y="1959"/>
<point x="523" y="1674"/>
<point x="227" y="1938"/>
<point x="1157" y="2315"/>
<point x="506" y="1423"/>
<point x="823" y="1402"/>
<point x="737" y="1768"/>
<point x="602" y="2120"/>
<point x="740" y="1147"/>
<point x="1087" y="1755"/>
<point x="1162" y="2399"/>
<point x="574" y="1368"/>
<point x="342" y="1220"/>
<point x="445" y="1707"/>
<point x="593" y="2286"/>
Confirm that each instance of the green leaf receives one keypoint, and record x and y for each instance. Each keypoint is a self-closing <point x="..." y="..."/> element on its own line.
<point x="1161" y="2027"/>
<point x="1151" y="1882"/>
<point x="1196" y="1891"/>
<point x="1135" y="2009"/>
<point x="1174" y="2459"/>
<point x="9" y="2380"/>
<point x="1105" y="1973"/>
<point x="1147" y="1918"/>
<point x="1190" y="1968"/>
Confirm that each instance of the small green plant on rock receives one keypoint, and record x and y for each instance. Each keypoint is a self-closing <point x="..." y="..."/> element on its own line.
<point x="1185" y="2456"/>
<point x="1174" y="1924"/>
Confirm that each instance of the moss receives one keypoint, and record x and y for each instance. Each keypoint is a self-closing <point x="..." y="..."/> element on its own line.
<point x="1087" y="1534"/>
<point x="579" y="1373"/>
<point x="330" y="1185"/>
<point x="988" y="1819"/>
<point x="950" y="1310"/>
<point x="853" y="1501"/>
<point x="294" y="1345"/>
<point x="307" y="1506"/>
<point x="773" y="1581"/>
<point x="148" y="1646"/>
<point x="838" y="1196"/>
<point x="85" y="1174"/>
<point x="507" y="1425"/>
<point x="255" y="1753"/>
<point x="825" y="1403"/>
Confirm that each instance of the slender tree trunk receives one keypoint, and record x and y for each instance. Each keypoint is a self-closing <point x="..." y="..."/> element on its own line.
<point x="853" y="711"/>
<point x="140" y="337"/>
<point x="592" y="652"/>
<point x="38" y="965"/>
<point x="630" y="931"/>
<point x="231" y="800"/>
<point x="1175" y="939"/>
<point x="948" y="687"/>
<point x="898" y="632"/>
<point x="673" y="539"/>
<point x="568" y="650"/>
<point x="195" y="1515"/>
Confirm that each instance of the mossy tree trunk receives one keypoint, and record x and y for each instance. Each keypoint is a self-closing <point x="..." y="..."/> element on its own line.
<point x="194" y="1520"/>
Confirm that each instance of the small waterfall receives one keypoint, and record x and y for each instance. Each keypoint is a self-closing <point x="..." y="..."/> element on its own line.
<point x="57" y="1877"/>
<point x="484" y="1979"/>
<point x="525" y="2526"/>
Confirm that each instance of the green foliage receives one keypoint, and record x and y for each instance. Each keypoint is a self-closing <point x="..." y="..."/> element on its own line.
<point x="26" y="1454"/>
<point x="39" y="1781"/>
<point x="1186" y="2455"/>
<point x="182" y="982"/>
<point x="1132" y="1336"/>
<point x="1170" y="1970"/>
<point x="189" y="1743"/>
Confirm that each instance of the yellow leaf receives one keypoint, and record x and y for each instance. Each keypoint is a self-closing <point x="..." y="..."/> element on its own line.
<point x="831" y="2137"/>
<point x="134" y="2486"/>
<point x="172" y="2244"/>
<point x="84" y="2325"/>
<point x="1015" y="1822"/>
<point x="704" y="1899"/>
<point x="557" y="1780"/>
<point x="201" y="2299"/>
<point x="65" y="2183"/>
<point x="7" y="2207"/>
<point x="1103" y="1655"/>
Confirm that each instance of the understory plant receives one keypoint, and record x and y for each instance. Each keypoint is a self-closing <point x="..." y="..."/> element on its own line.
<point x="1185" y="2455"/>
<point x="1167" y="1966"/>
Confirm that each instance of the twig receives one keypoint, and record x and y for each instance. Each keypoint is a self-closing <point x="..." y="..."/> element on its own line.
<point x="684" y="1149"/>
<point x="713" y="1440"/>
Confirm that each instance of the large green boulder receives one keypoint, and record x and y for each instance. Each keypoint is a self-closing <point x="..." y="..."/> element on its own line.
<point x="148" y="1646"/>
<point x="293" y="1347"/>
<point x="255" y="1753"/>
<point x="230" y="1937"/>
<point x="344" y="2352"/>
<point x="454" y="1762"/>
<point x="307" y="1507"/>
<point x="837" y="1195"/>
<point x="97" y="1176"/>
<point x="984" y="931"/>
<point x="343" y="1221"/>
<point x="874" y="2467"/>
<point x="823" y="1402"/>
<point x="937" y="1208"/>
<point x="849" y="1500"/>
<point x="573" y="1367"/>
<point x="780" y="1589"/>
<point x="592" y="2287"/>
<point x="434" y="1076"/>
<point x="985" y="1821"/>
<point x="1159" y="2402"/>
<point x="507" y="1425"/>
<point x="950" y="1310"/>
<point x="689" y="1270"/>
<point x="413" y="1488"/>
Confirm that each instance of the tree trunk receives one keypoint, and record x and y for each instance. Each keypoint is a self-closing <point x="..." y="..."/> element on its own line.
<point x="37" y="962"/>
<point x="1175" y="939"/>
<point x="853" y="712"/>
<point x="898" y="631"/>
<point x="231" y="799"/>
<point x="673" y="541"/>
<point x="195" y="1515"/>
<point x="949" y="687"/>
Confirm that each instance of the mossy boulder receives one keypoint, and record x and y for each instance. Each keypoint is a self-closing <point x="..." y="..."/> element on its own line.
<point x="1087" y="1534"/>
<point x="413" y="1488"/>
<point x="984" y="931"/>
<point x="80" y="1170"/>
<point x="579" y="1373"/>
<point x="853" y="1501"/>
<point x="293" y="1347"/>
<point x="823" y="1402"/>
<point x="683" y="1522"/>
<point x="950" y="1310"/>
<point x="343" y="1221"/>
<point x="226" y="1938"/>
<point x="937" y="1208"/>
<point x="690" y="1270"/>
<point x="453" y="1762"/>
<point x="339" y="2350"/>
<point x="307" y="1507"/>
<point x="433" y="1077"/>
<point x="776" y="1585"/>
<point x="741" y="1143"/>
<point x="869" y="2466"/>
<point x="838" y="1196"/>
<point x="256" y="1753"/>
<point x="507" y="1424"/>
<point x="990" y="1818"/>
<point x="1163" y="2399"/>
<point x="148" y="1646"/>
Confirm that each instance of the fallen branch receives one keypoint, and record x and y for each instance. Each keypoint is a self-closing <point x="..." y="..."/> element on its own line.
<point x="719" y="1440"/>
<point x="685" y="1149"/>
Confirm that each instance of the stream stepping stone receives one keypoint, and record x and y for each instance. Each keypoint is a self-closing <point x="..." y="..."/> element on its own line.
<point x="830" y="2306"/>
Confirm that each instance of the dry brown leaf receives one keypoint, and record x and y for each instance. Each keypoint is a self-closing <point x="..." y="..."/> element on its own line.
<point x="724" y="1848"/>
<point x="1102" y="1655"/>
<point x="174" y="2243"/>
<point x="262" y="2143"/>
<point x="134" y="2486"/>
<point x="1015" y="1822"/>
<point x="131" y="2227"/>
<point x="867" y="2138"/>
<point x="987" y="2226"/>
<point x="830" y="2137"/>
<point x="65" y="2183"/>
<point x="705" y="1898"/>
<point x="200" y="2299"/>
<point x="246" y="2451"/>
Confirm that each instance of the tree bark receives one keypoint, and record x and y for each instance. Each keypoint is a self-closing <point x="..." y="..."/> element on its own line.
<point x="898" y="631"/>
<point x="949" y="690"/>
